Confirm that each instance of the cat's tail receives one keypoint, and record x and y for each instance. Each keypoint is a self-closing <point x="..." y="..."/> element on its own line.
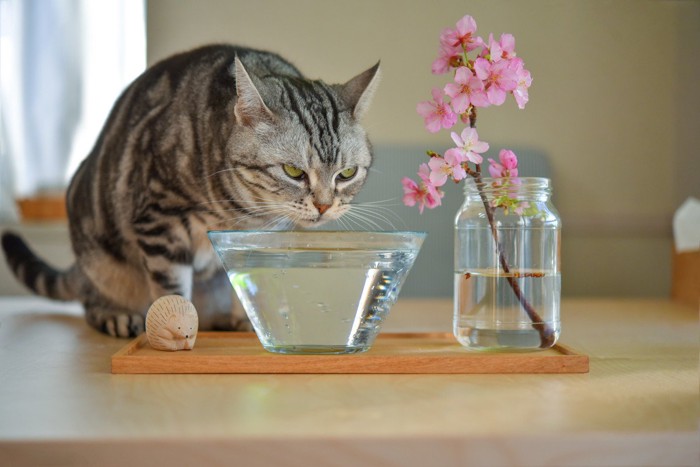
<point x="34" y="273"/>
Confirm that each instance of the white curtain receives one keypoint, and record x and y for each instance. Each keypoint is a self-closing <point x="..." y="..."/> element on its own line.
<point x="63" y="63"/>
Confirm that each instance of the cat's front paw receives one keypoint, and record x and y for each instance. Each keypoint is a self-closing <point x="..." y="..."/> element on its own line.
<point x="124" y="325"/>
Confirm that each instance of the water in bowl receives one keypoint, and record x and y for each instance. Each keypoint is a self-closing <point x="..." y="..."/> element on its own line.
<point x="315" y="300"/>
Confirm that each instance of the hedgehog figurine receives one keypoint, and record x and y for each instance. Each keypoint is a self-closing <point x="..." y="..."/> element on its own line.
<point x="172" y="323"/>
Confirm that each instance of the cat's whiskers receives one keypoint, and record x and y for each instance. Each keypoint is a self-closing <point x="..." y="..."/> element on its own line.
<point x="373" y="214"/>
<point x="372" y="218"/>
<point x="351" y="222"/>
<point x="344" y="223"/>
<point x="278" y="224"/>
<point x="363" y="221"/>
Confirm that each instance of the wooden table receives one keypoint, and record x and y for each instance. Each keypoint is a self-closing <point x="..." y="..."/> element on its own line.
<point x="639" y="405"/>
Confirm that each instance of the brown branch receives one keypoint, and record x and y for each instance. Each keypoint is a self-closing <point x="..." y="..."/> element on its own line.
<point x="545" y="331"/>
<point x="473" y="173"/>
<point x="472" y="116"/>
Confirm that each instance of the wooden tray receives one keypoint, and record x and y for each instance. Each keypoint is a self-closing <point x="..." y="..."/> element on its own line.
<point x="233" y="352"/>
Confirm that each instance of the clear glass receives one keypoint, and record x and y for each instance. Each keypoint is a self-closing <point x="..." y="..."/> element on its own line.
<point x="317" y="292"/>
<point x="507" y="279"/>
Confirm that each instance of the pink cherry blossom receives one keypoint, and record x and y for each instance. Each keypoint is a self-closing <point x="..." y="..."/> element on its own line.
<point x="424" y="194"/>
<point x="508" y="159"/>
<point x="444" y="168"/>
<point x="437" y="114"/>
<point x="412" y="192"/>
<point x="499" y="79"/>
<point x="433" y="197"/>
<point x="449" y="58"/>
<point x="524" y="80"/>
<point x="468" y="146"/>
<point x="501" y="49"/>
<point x="466" y="90"/>
<point x="424" y="172"/>
<point x="434" y="194"/>
<point x="455" y="161"/>
<point x="508" y="166"/>
<point x="462" y="35"/>
<point x="439" y="171"/>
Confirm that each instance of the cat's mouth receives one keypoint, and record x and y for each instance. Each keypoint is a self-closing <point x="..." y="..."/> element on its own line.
<point x="315" y="222"/>
<point x="323" y="216"/>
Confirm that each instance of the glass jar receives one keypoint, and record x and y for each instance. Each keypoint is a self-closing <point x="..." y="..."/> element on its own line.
<point x="507" y="286"/>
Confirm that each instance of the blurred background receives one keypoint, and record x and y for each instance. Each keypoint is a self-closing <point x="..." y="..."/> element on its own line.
<point x="613" y="116"/>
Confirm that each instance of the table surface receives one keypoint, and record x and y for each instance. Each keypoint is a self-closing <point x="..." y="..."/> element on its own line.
<point x="639" y="405"/>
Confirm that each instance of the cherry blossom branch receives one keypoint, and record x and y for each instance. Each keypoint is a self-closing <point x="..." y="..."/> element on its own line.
<point x="485" y="80"/>
<point x="546" y="333"/>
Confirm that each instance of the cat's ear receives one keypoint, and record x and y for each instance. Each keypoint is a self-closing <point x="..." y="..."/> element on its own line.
<point x="357" y="93"/>
<point x="250" y="107"/>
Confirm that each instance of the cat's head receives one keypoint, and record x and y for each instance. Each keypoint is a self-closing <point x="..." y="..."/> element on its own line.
<point x="298" y="152"/>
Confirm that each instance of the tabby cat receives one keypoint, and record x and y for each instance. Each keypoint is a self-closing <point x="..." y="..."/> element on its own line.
<point x="217" y="137"/>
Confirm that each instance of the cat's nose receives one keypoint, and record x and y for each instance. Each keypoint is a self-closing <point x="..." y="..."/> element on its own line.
<point x="322" y="207"/>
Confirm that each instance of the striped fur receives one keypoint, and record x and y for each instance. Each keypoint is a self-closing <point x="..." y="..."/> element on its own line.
<point x="199" y="142"/>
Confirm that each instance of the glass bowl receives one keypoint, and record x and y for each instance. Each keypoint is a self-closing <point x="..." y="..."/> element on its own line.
<point x="317" y="292"/>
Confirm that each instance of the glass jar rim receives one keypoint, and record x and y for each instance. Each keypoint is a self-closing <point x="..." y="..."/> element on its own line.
<point x="523" y="185"/>
<point x="528" y="183"/>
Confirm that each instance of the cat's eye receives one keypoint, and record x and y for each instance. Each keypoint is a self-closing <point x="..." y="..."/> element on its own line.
<point x="294" y="172"/>
<point x="347" y="174"/>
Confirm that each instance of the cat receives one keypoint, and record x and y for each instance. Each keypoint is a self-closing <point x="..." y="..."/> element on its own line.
<point x="217" y="137"/>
